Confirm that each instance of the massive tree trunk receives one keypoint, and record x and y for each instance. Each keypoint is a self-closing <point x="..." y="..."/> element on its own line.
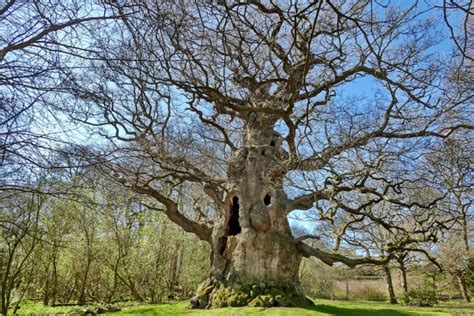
<point x="255" y="260"/>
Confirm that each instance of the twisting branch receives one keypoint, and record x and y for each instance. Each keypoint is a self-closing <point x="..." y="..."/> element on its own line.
<point x="171" y="211"/>
<point x="331" y="258"/>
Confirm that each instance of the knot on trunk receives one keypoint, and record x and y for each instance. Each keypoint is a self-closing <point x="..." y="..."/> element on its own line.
<point x="260" y="220"/>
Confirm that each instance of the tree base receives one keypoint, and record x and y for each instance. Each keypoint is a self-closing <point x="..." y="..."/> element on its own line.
<point x="213" y="294"/>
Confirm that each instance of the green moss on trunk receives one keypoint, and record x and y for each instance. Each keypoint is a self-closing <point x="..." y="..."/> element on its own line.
<point x="217" y="295"/>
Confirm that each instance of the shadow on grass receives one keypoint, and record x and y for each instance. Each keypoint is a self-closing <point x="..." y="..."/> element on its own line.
<point x="146" y="311"/>
<point x="157" y="310"/>
<point x="320" y="309"/>
<point x="352" y="311"/>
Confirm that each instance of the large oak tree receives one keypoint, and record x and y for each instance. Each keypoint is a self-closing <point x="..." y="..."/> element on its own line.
<point x="260" y="108"/>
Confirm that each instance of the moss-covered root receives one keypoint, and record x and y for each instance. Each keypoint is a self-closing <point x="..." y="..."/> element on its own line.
<point x="201" y="298"/>
<point x="216" y="295"/>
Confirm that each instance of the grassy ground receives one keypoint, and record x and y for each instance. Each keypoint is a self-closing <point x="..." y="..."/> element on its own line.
<point x="322" y="308"/>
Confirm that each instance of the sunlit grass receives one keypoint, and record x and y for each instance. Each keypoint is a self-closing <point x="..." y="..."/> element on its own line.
<point x="37" y="308"/>
<point x="323" y="307"/>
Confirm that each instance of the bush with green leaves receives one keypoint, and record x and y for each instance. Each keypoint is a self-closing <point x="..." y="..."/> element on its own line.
<point x="424" y="297"/>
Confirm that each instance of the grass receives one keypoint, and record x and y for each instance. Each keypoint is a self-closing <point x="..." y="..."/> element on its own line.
<point x="322" y="308"/>
<point x="37" y="308"/>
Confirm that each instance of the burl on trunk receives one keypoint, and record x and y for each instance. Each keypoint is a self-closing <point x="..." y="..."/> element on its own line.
<point x="255" y="260"/>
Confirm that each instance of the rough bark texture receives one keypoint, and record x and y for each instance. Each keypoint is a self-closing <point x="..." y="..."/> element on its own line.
<point x="463" y="287"/>
<point x="388" y="278"/>
<point x="255" y="259"/>
<point x="406" y="298"/>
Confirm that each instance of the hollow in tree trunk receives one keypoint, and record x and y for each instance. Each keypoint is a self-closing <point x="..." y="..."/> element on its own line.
<point x="255" y="260"/>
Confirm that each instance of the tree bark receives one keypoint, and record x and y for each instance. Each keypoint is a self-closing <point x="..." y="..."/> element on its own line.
<point x="347" y="289"/>
<point x="463" y="287"/>
<point x="403" y="269"/>
<point x="174" y="268"/>
<point x="46" y="285"/>
<point x="388" y="278"/>
<point x="255" y="259"/>
<point x="82" y="292"/>
<point x="54" y="291"/>
<point x="406" y="298"/>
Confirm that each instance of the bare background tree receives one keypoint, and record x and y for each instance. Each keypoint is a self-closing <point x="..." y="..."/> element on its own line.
<point x="30" y="71"/>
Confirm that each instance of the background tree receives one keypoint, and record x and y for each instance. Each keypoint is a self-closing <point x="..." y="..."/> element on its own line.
<point x="30" y="70"/>
<point x="453" y="163"/>
<point x="20" y="236"/>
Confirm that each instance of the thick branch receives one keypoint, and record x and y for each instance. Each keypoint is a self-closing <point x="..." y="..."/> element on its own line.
<point x="171" y="211"/>
<point x="305" y="202"/>
<point x="330" y="258"/>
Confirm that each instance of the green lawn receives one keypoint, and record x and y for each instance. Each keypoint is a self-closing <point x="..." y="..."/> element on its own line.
<point x="323" y="307"/>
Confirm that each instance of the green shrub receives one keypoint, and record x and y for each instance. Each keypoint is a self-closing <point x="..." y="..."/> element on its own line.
<point x="424" y="297"/>
<point x="317" y="279"/>
<point x="372" y="294"/>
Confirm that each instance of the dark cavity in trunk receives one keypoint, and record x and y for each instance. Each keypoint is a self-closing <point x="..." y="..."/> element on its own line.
<point x="234" y="225"/>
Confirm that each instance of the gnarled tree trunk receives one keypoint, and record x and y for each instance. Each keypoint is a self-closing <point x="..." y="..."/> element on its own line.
<point x="388" y="278"/>
<point x="255" y="259"/>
